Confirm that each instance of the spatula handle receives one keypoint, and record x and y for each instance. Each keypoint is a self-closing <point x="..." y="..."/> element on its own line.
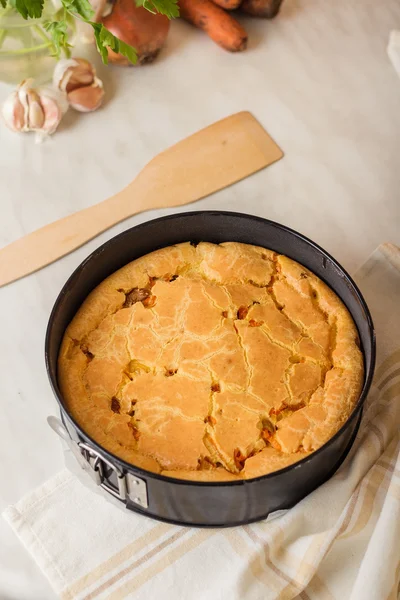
<point x="51" y="242"/>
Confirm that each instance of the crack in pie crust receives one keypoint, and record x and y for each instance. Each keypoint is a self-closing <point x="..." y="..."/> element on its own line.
<point x="211" y="362"/>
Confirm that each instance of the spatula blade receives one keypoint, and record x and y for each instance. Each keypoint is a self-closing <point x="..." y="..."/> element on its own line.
<point x="209" y="160"/>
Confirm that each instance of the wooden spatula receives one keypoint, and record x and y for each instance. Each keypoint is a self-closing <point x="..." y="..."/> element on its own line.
<point x="199" y="165"/>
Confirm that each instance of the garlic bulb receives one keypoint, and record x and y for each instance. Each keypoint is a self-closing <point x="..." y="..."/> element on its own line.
<point x="30" y="109"/>
<point x="77" y="78"/>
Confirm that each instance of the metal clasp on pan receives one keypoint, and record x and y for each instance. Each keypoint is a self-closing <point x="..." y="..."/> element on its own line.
<point x="95" y="463"/>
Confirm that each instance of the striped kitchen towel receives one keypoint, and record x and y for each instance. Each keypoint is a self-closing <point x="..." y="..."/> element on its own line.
<point x="341" y="542"/>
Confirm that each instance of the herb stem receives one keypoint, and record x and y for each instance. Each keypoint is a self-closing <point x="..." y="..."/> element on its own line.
<point x="42" y="34"/>
<point x="69" y="19"/>
<point x="3" y="31"/>
<point x="21" y="51"/>
<point x="3" y="35"/>
<point x="45" y="38"/>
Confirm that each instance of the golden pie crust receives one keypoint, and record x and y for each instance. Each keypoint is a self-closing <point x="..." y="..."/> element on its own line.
<point x="211" y="362"/>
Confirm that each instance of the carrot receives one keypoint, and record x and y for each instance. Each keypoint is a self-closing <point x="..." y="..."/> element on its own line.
<point x="218" y="24"/>
<point x="228" y="4"/>
<point x="261" y="8"/>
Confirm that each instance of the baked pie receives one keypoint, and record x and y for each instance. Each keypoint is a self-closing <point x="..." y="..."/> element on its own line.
<point x="211" y="362"/>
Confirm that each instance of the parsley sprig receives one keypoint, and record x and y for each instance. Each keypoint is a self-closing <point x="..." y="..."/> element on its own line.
<point x="82" y="9"/>
<point x="164" y="7"/>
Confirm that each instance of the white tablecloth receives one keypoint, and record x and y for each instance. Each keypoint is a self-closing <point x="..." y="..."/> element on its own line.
<point x="319" y="80"/>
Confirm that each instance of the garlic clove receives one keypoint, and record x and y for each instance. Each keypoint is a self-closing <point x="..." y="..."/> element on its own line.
<point x="82" y="75"/>
<point x="62" y="71"/>
<point x="22" y="92"/>
<point x="56" y="95"/>
<point x="52" y="114"/>
<point x="87" y="99"/>
<point x="73" y="73"/>
<point x="35" y="111"/>
<point x="13" y="113"/>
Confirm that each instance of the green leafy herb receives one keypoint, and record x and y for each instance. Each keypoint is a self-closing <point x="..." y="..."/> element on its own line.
<point x="81" y="8"/>
<point x="29" y="8"/>
<point x="105" y="39"/>
<point x="58" y="31"/>
<point x="3" y="3"/>
<point x="164" y="7"/>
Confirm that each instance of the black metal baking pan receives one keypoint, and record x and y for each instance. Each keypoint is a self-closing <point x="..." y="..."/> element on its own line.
<point x="201" y="503"/>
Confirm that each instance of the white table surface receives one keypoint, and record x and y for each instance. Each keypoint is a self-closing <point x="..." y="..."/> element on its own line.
<point x="319" y="80"/>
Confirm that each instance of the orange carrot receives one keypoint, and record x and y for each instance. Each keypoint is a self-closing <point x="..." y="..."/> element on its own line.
<point x="261" y="8"/>
<point x="228" y="4"/>
<point x="218" y="24"/>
